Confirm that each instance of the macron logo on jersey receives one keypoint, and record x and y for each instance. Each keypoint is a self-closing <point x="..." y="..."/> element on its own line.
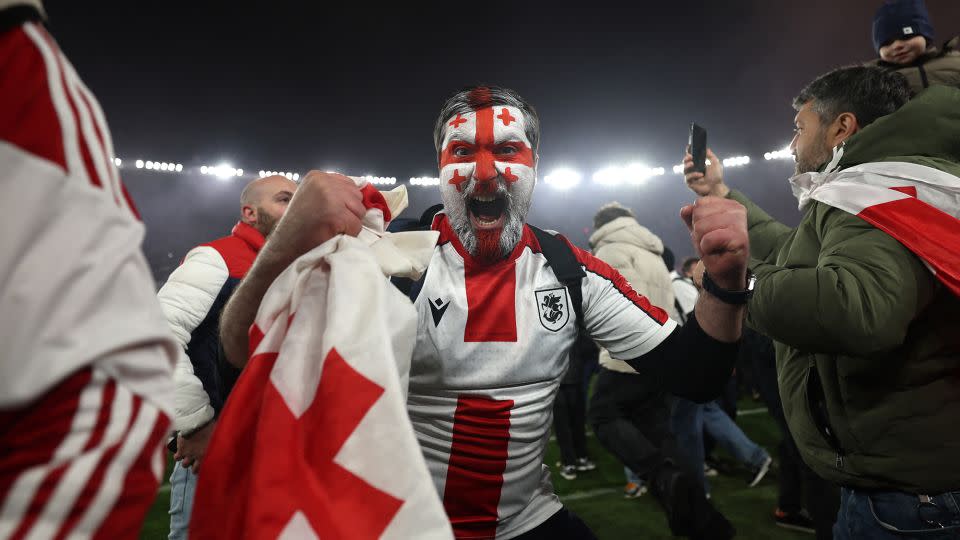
<point x="437" y="308"/>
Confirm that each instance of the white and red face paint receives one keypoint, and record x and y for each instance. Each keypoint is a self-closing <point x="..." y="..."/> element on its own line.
<point x="486" y="154"/>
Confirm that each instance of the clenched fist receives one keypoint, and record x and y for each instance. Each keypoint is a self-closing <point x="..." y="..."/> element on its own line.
<point x="325" y="205"/>
<point x="718" y="228"/>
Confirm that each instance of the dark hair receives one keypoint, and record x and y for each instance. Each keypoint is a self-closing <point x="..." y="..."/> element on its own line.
<point x="868" y="92"/>
<point x="610" y="212"/>
<point x="669" y="260"/>
<point x="687" y="263"/>
<point x="481" y="97"/>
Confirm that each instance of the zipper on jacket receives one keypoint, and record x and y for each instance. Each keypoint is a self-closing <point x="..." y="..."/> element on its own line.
<point x="818" y="411"/>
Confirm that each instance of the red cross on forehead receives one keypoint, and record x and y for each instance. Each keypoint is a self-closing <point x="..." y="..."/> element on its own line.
<point x="457" y="121"/>
<point x="485" y="150"/>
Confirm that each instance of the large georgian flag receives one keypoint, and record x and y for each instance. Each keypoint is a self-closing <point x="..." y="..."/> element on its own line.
<point x="916" y="204"/>
<point x="315" y="441"/>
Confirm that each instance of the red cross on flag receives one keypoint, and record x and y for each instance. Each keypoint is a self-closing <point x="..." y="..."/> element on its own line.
<point x="315" y="441"/>
<point x="916" y="204"/>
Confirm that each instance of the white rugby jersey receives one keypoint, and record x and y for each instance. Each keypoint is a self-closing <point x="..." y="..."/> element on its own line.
<point x="492" y="345"/>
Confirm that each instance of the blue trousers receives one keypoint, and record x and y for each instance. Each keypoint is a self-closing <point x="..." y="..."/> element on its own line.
<point x="183" y="484"/>
<point x="889" y="515"/>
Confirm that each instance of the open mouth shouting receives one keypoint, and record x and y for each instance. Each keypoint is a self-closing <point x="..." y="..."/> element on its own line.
<point x="487" y="211"/>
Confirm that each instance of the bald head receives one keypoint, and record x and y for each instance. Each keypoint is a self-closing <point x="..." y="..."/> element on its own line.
<point x="264" y="200"/>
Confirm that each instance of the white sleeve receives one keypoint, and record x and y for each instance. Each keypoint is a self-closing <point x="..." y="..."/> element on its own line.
<point x="617" y="317"/>
<point x="686" y="294"/>
<point x="186" y="299"/>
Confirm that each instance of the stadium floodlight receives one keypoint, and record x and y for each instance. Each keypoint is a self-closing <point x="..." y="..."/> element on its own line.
<point x="637" y="173"/>
<point x="262" y="174"/>
<point x="424" y="181"/>
<point x="296" y="176"/>
<point x="609" y="176"/>
<point x="163" y="166"/>
<point x="179" y="167"/>
<point x="658" y="171"/>
<point x="239" y="172"/>
<point x="678" y="169"/>
<point x="563" y="178"/>
<point x="289" y="176"/>
<point x="117" y="161"/>
<point x="783" y="153"/>
<point x="203" y="170"/>
<point x="139" y="163"/>
<point x="150" y="165"/>
<point x="736" y="161"/>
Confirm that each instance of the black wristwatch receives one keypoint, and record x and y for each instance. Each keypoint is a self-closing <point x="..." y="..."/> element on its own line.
<point x="730" y="297"/>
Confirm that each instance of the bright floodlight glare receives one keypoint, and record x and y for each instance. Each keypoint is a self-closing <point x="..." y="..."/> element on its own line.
<point x="289" y="176"/>
<point x="424" y="181"/>
<point x="203" y="170"/>
<point x="677" y="169"/>
<point x="117" y="161"/>
<point x="563" y="178"/>
<point x="609" y="176"/>
<point x="179" y="167"/>
<point x="296" y="176"/>
<point x="149" y="164"/>
<point x="239" y="172"/>
<point x="659" y="171"/>
<point x="222" y="171"/>
<point x="163" y="166"/>
<point x="636" y="173"/>
<point x="139" y="163"/>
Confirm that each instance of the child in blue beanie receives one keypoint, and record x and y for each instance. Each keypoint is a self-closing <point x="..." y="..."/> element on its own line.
<point x="903" y="39"/>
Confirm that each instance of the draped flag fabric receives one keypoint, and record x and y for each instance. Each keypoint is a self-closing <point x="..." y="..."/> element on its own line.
<point x="916" y="204"/>
<point x="315" y="441"/>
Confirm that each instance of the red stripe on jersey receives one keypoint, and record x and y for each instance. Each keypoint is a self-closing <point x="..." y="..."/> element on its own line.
<point x="139" y="489"/>
<point x="103" y="420"/>
<point x="491" y="302"/>
<point x="28" y="119"/>
<point x="604" y="270"/>
<point x="478" y="457"/>
<point x="100" y="144"/>
<point x="81" y="139"/>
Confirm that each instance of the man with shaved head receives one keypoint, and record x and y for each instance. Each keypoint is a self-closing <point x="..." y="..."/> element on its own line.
<point x="192" y="300"/>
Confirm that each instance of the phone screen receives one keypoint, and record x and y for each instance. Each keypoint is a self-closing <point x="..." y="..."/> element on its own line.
<point x="698" y="148"/>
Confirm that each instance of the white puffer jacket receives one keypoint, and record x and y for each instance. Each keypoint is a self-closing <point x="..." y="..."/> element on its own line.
<point x="636" y="253"/>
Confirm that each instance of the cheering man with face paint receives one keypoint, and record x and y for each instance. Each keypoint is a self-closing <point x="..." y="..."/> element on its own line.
<point x="496" y="324"/>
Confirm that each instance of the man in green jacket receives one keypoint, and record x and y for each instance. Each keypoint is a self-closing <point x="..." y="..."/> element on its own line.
<point x="867" y="336"/>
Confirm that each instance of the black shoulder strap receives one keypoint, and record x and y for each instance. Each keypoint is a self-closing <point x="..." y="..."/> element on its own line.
<point x="565" y="266"/>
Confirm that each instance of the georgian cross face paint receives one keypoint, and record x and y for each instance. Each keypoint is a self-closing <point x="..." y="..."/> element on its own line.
<point x="487" y="176"/>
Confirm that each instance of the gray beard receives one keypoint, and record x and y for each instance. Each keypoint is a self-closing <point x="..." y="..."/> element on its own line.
<point x="516" y="212"/>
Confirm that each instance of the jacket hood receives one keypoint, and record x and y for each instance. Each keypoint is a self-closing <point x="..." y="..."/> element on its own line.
<point x="626" y="230"/>
<point x="925" y="131"/>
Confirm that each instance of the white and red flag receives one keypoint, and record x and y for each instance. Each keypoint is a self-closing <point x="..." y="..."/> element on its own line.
<point x="315" y="440"/>
<point x="916" y="204"/>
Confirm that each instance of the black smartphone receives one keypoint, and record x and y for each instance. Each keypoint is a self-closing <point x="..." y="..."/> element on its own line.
<point x="698" y="148"/>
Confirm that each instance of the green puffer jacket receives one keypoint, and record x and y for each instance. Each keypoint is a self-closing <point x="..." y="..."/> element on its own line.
<point x="867" y="340"/>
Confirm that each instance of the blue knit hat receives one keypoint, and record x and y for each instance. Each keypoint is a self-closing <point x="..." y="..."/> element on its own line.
<point x="901" y="18"/>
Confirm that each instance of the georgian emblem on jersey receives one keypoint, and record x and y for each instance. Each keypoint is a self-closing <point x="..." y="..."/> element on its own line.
<point x="553" y="307"/>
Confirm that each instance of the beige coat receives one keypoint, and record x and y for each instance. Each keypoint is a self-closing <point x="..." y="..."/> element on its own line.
<point x="637" y="254"/>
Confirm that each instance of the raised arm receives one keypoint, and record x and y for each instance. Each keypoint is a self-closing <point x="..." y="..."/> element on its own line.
<point x="325" y="205"/>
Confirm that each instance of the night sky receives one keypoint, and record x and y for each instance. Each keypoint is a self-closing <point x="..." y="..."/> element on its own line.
<point x="356" y="89"/>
